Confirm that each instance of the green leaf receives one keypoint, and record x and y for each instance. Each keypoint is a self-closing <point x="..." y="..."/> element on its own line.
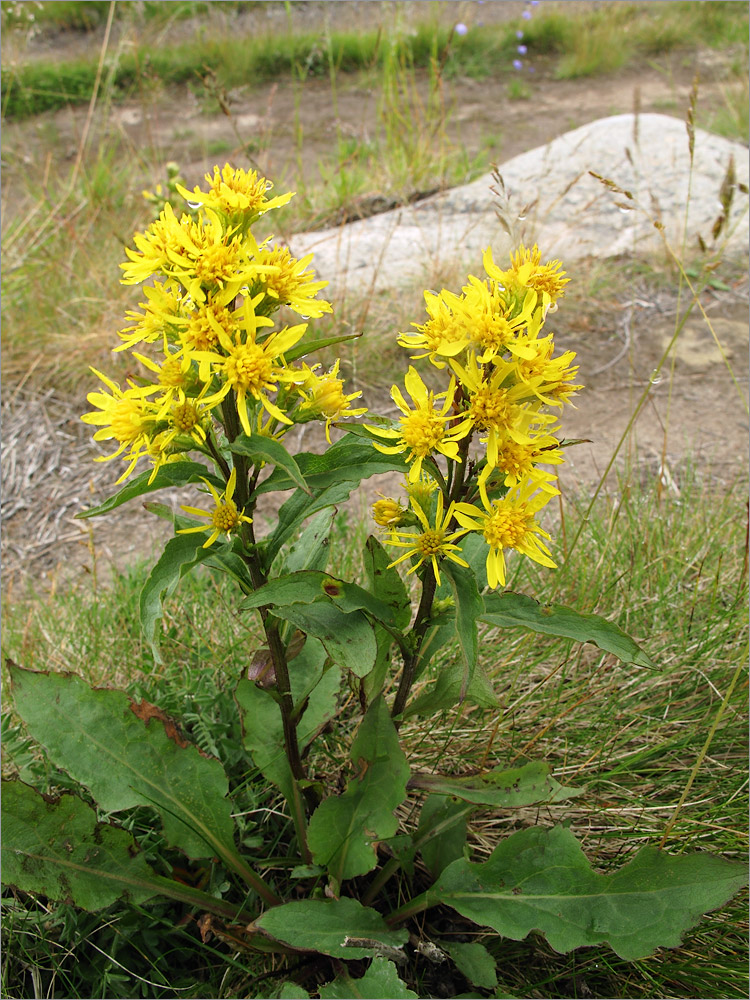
<point x="181" y="555"/>
<point x="385" y="583"/>
<point x="297" y="509"/>
<point x="473" y="961"/>
<point x="380" y="982"/>
<point x="310" y="346"/>
<point x="347" y="635"/>
<point x="310" y="551"/>
<point x="266" y="449"/>
<point x="350" y="459"/>
<point x="325" y="924"/>
<point x="540" y="880"/>
<point x="469" y="606"/>
<point x="509" y="610"/>
<point x="172" y="474"/>
<point x="343" y="829"/>
<point x="441" y="835"/>
<point x="291" y="991"/>
<point x="56" y="848"/>
<point x="503" y="789"/>
<point x="446" y="692"/>
<point x="309" y="586"/>
<point x="128" y="755"/>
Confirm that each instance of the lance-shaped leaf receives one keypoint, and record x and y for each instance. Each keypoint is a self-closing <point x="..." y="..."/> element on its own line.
<point x="306" y="347"/>
<point x="172" y="474"/>
<point x="343" y="830"/>
<point x="385" y="582"/>
<point x="347" y="635"/>
<point x="128" y="755"/>
<point x="540" y="880"/>
<point x="442" y="832"/>
<point x="297" y="509"/>
<point x="446" y="692"/>
<point x="509" y="610"/>
<point x="473" y="961"/>
<point x="350" y="459"/>
<point x="504" y="789"/>
<point x="181" y="555"/>
<point x="380" y="982"/>
<point x="265" y="449"/>
<point x="309" y="586"/>
<point x="469" y="606"/>
<point x="326" y="925"/>
<point x="56" y="848"/>
<point x="310" y="550"/>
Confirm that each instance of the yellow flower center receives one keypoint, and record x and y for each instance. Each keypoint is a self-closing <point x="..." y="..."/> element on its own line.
<point x="516" y="459"/>
<point x="490" y="408"/>
<point x="249" y="367"/>
<point x="430" y="542"/>
<point x="329" y="397"/>
<point x="506" y="529"/>
<point x="127" y="420"/>
<point x="422" y="431"/>
<point x="185" y="416"/>
<point x="225" y="517"/>
<point x="495" y="332"/>
<point x="171" y="373"/>
<point x="217" y="264"/>
<point x="200" y="334"/>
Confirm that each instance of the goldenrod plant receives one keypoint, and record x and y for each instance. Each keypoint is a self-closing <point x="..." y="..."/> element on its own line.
<point x="226" y="369"/>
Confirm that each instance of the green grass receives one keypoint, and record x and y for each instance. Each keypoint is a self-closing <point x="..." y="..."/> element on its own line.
<point x="646" y="559"/>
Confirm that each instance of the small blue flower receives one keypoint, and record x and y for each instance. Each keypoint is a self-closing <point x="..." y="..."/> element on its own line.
<point x="526" y="15"/>
<point x="522" y="50"/>
<point x="461" y="29"/>
<point x="517" y="64"/>
<point x="519" y="34"/>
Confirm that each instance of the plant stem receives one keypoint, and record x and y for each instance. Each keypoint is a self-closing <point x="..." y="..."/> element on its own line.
<point x="416" y="905"/>
<point x="424" y="612"/>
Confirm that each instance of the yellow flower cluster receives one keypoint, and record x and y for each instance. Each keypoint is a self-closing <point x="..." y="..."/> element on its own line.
<point x="216" y="360"/>
<point x="503" y="382"/>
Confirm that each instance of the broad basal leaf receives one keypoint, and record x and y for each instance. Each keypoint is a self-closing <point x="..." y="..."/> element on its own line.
<point x="473" y="961"/>
<point x="380" y="982"/>
<point x="339" y="927"/>
<point x="128" y="755"/>
<point x="172" y="474"/>
<point x="56" y="848"/>
<point x="540" y="880"/>
<point x="503" y="789"/>
<point x="344" y="829"/>
<point x="508" y="610"/>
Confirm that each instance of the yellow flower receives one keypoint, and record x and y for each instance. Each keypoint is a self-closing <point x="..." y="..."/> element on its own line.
<point x="433" y="543"/>
<point x="289" y="283"/>
<point x="200" y="329"/>
<point x="444" y="335"/>
<point x="160" y="316"/>
<point x="324" y="397"/>
<point x="125" y="416"/>
<point x="549" y="378"/>
<point x="509" y="523"/>
<point x="497" y="405"/>
<point x="154" y="246"/>
<point x="223" y="519"/>
<point x="388" y="513"/>
<point x="493" y="320"/>
<point x="527" y="271"/>
<point x="423" y="428"/>
<point x="249" y="368"/>
<point x="236" y="193"/>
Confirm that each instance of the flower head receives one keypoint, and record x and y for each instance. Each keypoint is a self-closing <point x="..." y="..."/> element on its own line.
<point x="223" y="519"/>
<point x="509" y="523"/>
<point x="423" y="428"/>
<point x="434" y="542"/>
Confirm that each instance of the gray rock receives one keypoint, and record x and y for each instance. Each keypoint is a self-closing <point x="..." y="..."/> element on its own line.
<point x="551" y="199"/>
